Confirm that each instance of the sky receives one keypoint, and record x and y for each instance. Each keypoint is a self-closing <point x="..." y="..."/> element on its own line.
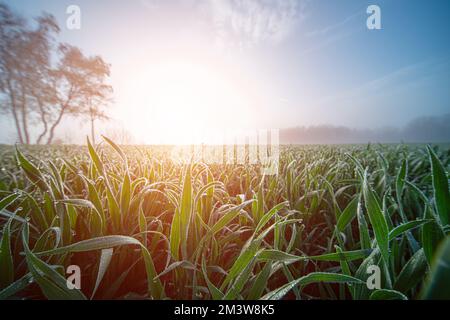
<point x="186" y="65"/>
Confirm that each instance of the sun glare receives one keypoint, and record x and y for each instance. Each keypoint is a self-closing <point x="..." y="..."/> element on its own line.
<point x="178" y="102"/>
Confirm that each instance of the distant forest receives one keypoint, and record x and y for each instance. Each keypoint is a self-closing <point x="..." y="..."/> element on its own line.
<point x="420" y="130"/>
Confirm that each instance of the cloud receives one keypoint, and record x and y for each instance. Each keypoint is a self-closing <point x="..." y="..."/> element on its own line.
<point x="246" y="23"/>
<point x="149" y="4"/>
<point x="240" y="23"/>
<point x="332" y="33"/>
<point x="331" y="28"/>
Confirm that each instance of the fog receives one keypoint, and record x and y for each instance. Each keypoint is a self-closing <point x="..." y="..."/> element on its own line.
<point x="420" y="130"/>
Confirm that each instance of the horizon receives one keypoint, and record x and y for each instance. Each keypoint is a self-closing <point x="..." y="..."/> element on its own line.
<point x="429" y="130"/>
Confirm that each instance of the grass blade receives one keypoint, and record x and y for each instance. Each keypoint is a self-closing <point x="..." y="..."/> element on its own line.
<point x="440" y="187"/>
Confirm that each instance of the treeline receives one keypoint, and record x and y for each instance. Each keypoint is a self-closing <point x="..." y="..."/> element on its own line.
<point x="419" y="130"/>
<point x="42" y="81"/>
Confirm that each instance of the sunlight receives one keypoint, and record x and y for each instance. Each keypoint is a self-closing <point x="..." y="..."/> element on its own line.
<point x="178" y="102"/>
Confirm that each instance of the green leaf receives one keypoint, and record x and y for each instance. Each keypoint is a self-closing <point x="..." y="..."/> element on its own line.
<point x="343" y="256"/>
<point x="105" y="259"/>
<point x="363" y="228"/>
<point x="116" y="148"/>
<point x="240" y="280"/>
<point x="53" y="285"/>
<point x="394" y="233"/>
<point x="95" y="198"/>
<point x="348" y="214"/>
<point x="98" y="243"/>
<point x="437" y="285"/>
<point x="260" y="283"/>
<point x="248" y="252"/>
<point x="8" y="200"/>
<point x="78" y="203"/>
<point x="440" y="186"/>
<point x="269" y="215"/>
<point x="185" y="211"/>
<point x="216" y="294"/>
<point x="95" y="158"/>
<point x="125" y="195"/>
<point x="228" y="217"/>
<point x="155" y="287"/>
<point x="412" y="273"/>
<point x="432" y="235"/>
<point x="384" y="294"/>
<point x="313" y="277"/>
<point x="377" y="219"/>
<point x="345" y="269"/>
<point x="31" y="170"/>
<point x="278" y="256"/>
<point x="177" y="264"/>
<point x="6" y="257"/>
<point x="16" y="286"/>
<point x="399" y="185"/>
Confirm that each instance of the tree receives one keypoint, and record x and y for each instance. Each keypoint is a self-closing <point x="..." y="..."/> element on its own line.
<point x="98" y="94"/>
<point x="119" y="133"/>
<point x="40" y="87"/>
<point x="41" y="82"/>
<point x="25" y="56"/>
<point x="95" y="113"/>
<point x="79" y="86"/>
<point x="10" y="30"/>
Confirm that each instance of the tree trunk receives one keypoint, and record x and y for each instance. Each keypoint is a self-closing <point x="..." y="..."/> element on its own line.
<point x="92" y="130"/>
<point x="25" y="117"/>
<point x="44" y="121"/>
<point x="17" y="123"/>
<point x="12" y="97"/>
<point x="55" y="124"/>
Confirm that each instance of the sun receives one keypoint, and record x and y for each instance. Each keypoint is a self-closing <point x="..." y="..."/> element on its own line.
<point x="181" y="102"/>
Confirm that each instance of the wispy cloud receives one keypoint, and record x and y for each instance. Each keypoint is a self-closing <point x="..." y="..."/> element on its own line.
<point x="246" y="23"/>
<point x="333" y="27"/>
<point x="241" y="23"/>
<point x="332" y="33"/>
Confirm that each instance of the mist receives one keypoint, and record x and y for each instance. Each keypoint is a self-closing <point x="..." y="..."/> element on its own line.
<point x="424" y="129"/>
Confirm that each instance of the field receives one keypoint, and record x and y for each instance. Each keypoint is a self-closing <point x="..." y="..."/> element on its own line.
<point x="334" y="221"/>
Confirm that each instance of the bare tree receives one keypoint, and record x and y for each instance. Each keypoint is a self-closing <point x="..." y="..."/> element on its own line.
<point x="119" y="134"/>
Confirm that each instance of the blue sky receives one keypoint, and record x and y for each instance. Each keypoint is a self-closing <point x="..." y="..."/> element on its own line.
<point x="285" y="63"/>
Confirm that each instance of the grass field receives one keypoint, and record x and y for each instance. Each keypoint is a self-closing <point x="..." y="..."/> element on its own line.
<point x="140" y="226"/>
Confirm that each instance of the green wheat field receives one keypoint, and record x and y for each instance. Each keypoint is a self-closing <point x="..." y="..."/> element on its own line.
<point x="140" y="226"/>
